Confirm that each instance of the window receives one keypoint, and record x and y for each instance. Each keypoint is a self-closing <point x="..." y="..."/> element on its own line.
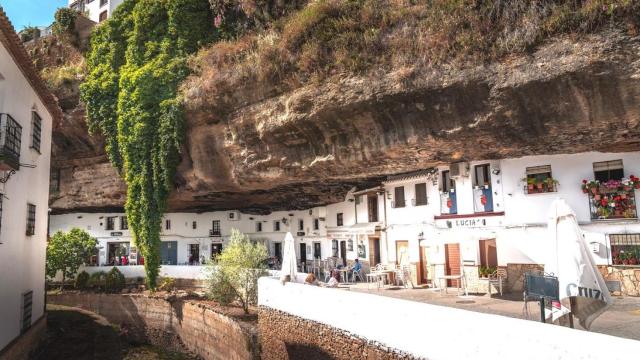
<point x="10" y="141"/>
<point x="124" y="225"/>
<point x="215" y="228"/>
<point x="339" y="219"/>
<point x="111" y="223"/>
<point x="27" y="304"/>
<point x="608" y="170"/>
<point x="316" y="224"/>
<point x="625" y="249"/>
<point x="54" y="184"/>
<point x="539" y="180"/>
<point x="31" y="219"/>
<point x="399" y="197"/>
<point x="317" y="250"/>
<point x="103" y="16"/>
<point x="334" y="248"/>
<point x="258" y="226"/>
<point x="482" y="175"/>
<point x="167" y="224"/>
<point x="300" y="225"/>
<point x="421" y="194"/>
<point x="103" y="2"/>
<point x="36" y="131"/>
<point x="194" y="225"/>
<point x="447" y="183"/>
<point x="276" y="226"/>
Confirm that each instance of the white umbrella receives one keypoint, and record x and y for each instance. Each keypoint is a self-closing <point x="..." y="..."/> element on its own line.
<point x="289" y="261"/>
<point x="571" y="261"/>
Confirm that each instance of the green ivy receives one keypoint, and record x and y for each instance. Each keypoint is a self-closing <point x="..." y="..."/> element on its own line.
<point x="137" y="60"/>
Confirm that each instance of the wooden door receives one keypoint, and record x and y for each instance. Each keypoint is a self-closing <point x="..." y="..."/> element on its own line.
<point x="452" y="259"/>
<point x="278" y="251"/>
<point x="372" y="205"/>
<point x="423" y="271"/>
<point x="343" y="252"/>
<point x="374" y="251"/>
<point x="303" y="253"/>
<point x="402" y="252"/>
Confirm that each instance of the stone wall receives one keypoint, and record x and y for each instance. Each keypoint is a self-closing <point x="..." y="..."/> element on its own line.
<point x="629" y="279"/>
<point x="284" y="336"/>
<point x="23" y="346"/>
<point x="171" y="323"/>
<point x="515" y="275"/>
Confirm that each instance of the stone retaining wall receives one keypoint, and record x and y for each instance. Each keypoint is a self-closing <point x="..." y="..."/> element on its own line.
<point x="629" y="279"/>
<point x="171" y="323"/>
<point x="284" y="336"/>
<point x="23" y="347"/>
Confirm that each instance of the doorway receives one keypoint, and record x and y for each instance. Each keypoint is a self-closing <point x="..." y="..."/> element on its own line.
<point x="374" y="251"/>
<point x="169" y="253"/>
<point x="194" y="254"/>
<point x="118" y="253"/>
<point x="488" y="253"/>
<point x="216" y="249"/>
<point x="452" y="262"/>
<point x="303" y="253"/>
<point x="343" y="252"/>
<point x="317" y="250"/>
<point x="423" y="271"/>
<point x="277" y="251"/>
<point x="402" y="252"/>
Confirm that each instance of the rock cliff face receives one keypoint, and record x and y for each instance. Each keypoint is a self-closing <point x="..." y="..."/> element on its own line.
<point x="310" y="145"/>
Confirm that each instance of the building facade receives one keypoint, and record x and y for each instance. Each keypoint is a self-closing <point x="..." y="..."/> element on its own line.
<point x="474" y="219"/>
<point x="96" y="10"/>
<point x="27" y="113"/>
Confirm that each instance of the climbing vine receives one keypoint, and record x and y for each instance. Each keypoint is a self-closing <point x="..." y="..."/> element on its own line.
<point x="136" y="62"/>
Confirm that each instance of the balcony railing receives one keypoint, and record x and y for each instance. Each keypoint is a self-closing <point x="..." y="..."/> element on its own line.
<point x="215" y="233"/>
<point x="612" y="204"/>
<point x="10" y="135"/>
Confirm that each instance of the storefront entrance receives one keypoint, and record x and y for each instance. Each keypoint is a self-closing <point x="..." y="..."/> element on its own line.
<point x="216" y="249"/>
<point x="194" y="254"/>
<point x="374" y="251"/>
<point x="303" y="253"/>
<point x="169" y="253"/>
<point x="118" y="253"/>
<point x="452" y="262"/>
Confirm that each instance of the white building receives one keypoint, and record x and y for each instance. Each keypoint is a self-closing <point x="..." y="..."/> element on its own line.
<point x="96" y="10"/>
<point x="193" y="238"/>
<point x="487" y="214"/>
<point x="27" y="112"/>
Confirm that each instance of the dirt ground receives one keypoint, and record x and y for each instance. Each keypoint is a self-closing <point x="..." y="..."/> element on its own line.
<point x="622" y="319"/>
<point x="75" y="334"/>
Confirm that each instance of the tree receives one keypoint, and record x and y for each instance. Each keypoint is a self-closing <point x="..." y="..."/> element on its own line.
<point x="236" y="274"/>
<point x="67" y="251"/>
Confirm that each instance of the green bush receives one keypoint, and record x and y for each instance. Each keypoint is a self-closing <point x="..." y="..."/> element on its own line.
<point x="167" y="284"/>
<point x="97" y="280"/>
<point x="65" y="21"/>
<point x="114" y="281"/>
<point x="82" y="280"/>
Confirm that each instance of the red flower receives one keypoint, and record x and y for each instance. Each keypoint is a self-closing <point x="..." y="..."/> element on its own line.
<point x="584" y="181"/>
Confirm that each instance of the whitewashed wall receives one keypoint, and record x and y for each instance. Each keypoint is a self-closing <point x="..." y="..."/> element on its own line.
<point x="22" y="258"/>
<point x="438" y="332"/>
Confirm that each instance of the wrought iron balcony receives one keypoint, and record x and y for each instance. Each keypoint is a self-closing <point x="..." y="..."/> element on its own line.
<point x="609" y="203"/>
<point x="10" y="135"/>
<point x="214" y="233"/>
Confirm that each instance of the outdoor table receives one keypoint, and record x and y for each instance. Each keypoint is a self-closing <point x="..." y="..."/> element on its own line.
<point x="345" y="271"/>
<point x="461" y="283"/>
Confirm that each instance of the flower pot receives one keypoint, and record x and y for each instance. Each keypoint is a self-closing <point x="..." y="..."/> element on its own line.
<point x="540" y="186"/>
<point x="633" y="261"/>
<point x="596" y="197"/>
<point x="625" y="262"/>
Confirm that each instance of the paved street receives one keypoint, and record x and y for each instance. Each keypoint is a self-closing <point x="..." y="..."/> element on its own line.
<point x="622" y="319"/>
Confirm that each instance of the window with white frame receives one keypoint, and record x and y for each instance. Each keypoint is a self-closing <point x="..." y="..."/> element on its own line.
<point x="539" y="180"/>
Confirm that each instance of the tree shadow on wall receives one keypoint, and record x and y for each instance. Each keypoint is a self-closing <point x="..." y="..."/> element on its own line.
<point x="307" y="352"/>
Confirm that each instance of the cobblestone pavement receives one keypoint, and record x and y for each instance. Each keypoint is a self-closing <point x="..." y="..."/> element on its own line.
<point x="622" y="319"/>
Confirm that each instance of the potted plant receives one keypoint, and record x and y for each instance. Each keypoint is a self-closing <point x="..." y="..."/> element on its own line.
<point x="531" y="183"/>
<point x="551" y="184"/>
<point x="540" y="185"/>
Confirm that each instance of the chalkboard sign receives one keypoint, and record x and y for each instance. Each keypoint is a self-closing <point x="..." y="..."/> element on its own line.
<point x="541" y="286"/>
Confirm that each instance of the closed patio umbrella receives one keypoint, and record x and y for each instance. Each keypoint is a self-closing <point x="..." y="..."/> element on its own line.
<point x="571" y="261"/>
<point x="289" y="261"/>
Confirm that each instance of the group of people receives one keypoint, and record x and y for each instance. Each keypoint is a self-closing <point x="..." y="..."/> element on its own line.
<point x="334" y="278"/>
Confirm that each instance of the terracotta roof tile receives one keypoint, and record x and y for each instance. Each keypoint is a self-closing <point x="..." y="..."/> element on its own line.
<point x="12" y="43"/>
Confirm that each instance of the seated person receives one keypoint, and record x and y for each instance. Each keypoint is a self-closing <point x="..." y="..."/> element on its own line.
<point x="334" y="280"/>
<point x="311" y="279"/>
<point x="357" y="268"/>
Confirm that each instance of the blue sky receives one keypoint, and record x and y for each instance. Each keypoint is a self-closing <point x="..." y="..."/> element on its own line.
<point x="31" y="12"/>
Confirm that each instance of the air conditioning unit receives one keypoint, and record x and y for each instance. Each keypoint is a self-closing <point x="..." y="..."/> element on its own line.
<point x="459" y="169"/>
<point x="233" y="215"/>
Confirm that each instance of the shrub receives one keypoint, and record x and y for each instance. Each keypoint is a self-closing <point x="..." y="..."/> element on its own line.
<point x="97" y="280"/>
<point x="65" y="21"/>
<point x="236" y="274"/>
<point x="29" y="33"/>
<point x="67" y="251"/>
<point x="114" y="281"/>
<point x="82" y="280"/>
<point x="167" y="284"/>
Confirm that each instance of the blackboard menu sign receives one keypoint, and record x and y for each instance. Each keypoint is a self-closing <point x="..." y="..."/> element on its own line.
<point x="541" y="286"/>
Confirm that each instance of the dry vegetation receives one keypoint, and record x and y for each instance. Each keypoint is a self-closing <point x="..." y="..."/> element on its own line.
<point x="329" y="37"/>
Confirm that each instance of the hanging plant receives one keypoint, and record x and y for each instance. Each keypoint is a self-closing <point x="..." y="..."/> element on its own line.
<point x="138" y="59"/>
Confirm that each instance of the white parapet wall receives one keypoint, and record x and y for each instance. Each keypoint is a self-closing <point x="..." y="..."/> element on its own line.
<point x="438" y="332"/>
<point x="134" y="271"/>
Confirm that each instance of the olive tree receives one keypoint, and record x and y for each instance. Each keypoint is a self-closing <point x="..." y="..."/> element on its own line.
<point x="235" y="273"/>
<point x="67" y="251"/>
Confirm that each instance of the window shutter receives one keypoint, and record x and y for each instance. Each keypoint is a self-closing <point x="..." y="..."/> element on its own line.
<point x="534" y="170"/>
<point x="607" y="165"/>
